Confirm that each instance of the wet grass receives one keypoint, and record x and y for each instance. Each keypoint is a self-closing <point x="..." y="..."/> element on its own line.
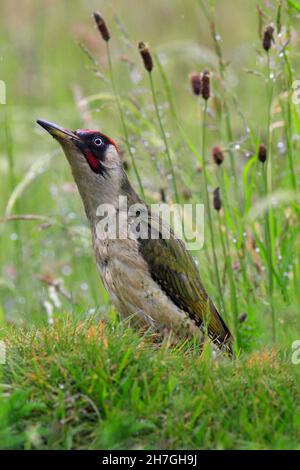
<point x="48" y="279"/>
<point x="93" y="385"/>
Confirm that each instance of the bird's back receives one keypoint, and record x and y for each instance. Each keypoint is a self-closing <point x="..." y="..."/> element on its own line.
<point x="173" y="268"/>
<point x="152" y="275"/>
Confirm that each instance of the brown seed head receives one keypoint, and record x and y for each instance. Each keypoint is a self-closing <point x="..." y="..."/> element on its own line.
<point x="217" y="155"/>
<point x="262" y="153"/>
<point x="205" y="89"/>
<point x="187" y="194"/>
<point x="217" y="200"/>
<point x="196" y="83"/>
<point x="146" y="56"/>
<point x="101" y="25"/>
<point x="162" y="193"/>
<point x="268" y="38"/>
<point x="242" y="317"/>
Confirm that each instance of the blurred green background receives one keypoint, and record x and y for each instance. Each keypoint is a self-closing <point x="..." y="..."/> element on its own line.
<point x="41" y="61"/>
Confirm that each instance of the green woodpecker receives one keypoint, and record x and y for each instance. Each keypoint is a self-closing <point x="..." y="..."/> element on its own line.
<point x="153" y="279"/>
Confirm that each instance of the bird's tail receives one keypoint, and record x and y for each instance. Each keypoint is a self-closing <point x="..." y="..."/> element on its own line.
<point x="219" y="332"/>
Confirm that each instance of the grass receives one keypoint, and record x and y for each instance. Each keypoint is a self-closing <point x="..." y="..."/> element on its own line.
<point x="75" y="377"/>
<point x="100" y="385"/>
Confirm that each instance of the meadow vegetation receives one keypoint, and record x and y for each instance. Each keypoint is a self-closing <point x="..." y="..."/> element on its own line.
<point x="75" y="375"/>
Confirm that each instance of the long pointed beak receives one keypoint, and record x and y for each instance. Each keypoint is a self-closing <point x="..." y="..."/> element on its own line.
<point x="58" y="132"/>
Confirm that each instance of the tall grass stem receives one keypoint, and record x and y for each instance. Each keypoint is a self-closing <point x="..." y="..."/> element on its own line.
<point x="164" y="137"/>
<point x="208" y="210"/>
<point x="123" y="121"/>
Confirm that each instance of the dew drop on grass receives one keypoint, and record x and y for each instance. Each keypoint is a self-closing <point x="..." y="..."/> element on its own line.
<point x="84" y="286"/>
<point x="66" y="270"/>
<point x="163" y="58"/>
<point x="53" y="190"/>
<point x="14" y="237"/>
<point x="135" y="76"/>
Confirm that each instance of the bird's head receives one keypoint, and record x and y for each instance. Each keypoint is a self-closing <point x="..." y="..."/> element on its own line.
<point x="95" y="161"/>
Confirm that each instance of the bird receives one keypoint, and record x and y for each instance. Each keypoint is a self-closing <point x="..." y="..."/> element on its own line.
<point x="152" y="280"/>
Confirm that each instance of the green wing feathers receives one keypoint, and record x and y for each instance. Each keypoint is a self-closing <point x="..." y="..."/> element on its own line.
<point x="173" y="268"/>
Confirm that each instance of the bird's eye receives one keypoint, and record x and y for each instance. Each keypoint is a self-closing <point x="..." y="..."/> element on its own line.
<point x="98" y="141"/>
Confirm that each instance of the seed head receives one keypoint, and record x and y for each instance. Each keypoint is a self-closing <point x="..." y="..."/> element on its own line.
<point x="162" y="193"/>
<point x="146" y="56"/>
<point x="196" y="83"/>
<point x="101" y="25"/>
<point x="268" y="38"/>
<point x="242" y="317"/>
<point x="217" y="155"/>
<point x="205" y="88"/>
<point x="217" y="202"/>
<point x="262" y="153"/>
<point x="187" y="194"/>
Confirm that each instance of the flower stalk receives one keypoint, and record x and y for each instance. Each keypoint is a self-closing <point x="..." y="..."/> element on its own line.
<point x="104" y="32"/>
<point x="262" y="157"/>
<point x="208" y="209"/>
<point x="148" y="64"/>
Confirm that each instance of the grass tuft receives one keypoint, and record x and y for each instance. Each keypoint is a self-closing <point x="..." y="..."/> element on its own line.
<point x="101" y="385"/>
